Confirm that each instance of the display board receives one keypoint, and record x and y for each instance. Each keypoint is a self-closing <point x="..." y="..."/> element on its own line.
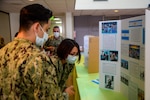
<point x="147" y="54"/>
<point x="109" y="54"/>
<point x="133" y="57"/>
<point x="86" y="49"/>
<point x="130" y="41"/>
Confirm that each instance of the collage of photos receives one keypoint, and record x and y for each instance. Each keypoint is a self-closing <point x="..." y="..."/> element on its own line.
<point x="109" y="55"/>
<point x="109" y="27"/>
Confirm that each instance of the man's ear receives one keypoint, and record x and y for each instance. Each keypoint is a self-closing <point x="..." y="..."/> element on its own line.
<point x="36" y="27"/>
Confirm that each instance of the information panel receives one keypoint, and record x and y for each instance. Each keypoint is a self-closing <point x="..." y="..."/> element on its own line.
<point x="109" y="54"/>
<point x="133" y="57"/>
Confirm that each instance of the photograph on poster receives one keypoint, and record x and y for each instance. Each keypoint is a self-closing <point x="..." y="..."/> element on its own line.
<point x="142" y="73"/>
<point x="109" y="55"/>
<point x="109" y="27"/>
<point x="140" y="94"/>
<point x="113" y="55"/>
<point x="124" y="64"/>
<point x="124" y="80"/>
<point x="104" y="55"/>
<point x="134" y="51"/>
<point x="109" y="82"/>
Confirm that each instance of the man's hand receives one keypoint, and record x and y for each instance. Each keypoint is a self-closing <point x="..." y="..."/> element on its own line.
<point x="51" y="48"/>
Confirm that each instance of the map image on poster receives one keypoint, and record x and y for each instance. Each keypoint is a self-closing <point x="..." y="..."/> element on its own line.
<point x="134" y="51"/>
<point x="109" y="27"/>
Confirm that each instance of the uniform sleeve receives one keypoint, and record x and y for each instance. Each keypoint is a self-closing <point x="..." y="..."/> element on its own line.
<point x="45" y="80"/>
<point x="67" y="69"/>
<point x="46" y="44"/>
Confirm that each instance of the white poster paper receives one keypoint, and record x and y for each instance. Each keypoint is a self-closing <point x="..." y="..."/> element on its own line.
<point x="110" y="37"/>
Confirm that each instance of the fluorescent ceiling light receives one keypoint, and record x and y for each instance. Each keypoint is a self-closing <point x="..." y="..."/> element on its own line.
<point x="57" y="19"/>
<point x="116" y="11"/>
<point x="58" y="22"/>
<point x="30" y="0"/>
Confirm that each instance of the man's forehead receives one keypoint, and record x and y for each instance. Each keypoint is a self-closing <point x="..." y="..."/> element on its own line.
<point x="56" y="28"/>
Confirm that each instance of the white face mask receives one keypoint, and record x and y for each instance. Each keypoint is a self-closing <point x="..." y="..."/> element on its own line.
<point x="40" y="41"/>
<point x="56" y="34"/>
<point x="71" y="59"/>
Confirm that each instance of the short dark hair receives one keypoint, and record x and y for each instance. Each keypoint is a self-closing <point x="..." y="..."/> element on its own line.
<point x="55" y="27"/>
<point x="33" y="13"/>
<point x="16" y="34"/>
<point x="65" y="48"/>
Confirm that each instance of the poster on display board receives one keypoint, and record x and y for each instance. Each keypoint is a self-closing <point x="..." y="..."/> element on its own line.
<point x="128" y="72"/>
<point x="133" y="57"/>
<point x="109" y="54"/>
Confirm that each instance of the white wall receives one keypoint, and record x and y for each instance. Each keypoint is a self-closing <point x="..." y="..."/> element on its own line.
<point x="111" y="4"/>
<point x="69" y="25"/>
<point x="14" y="24"/>
<point x="5" y="27"/>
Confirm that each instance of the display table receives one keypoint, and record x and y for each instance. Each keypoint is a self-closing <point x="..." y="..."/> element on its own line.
<point x="89" y="90"/>
<point x="82" y="71"/>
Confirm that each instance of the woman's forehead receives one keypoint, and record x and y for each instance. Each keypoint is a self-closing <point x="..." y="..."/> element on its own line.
<point x="74" y="50"/>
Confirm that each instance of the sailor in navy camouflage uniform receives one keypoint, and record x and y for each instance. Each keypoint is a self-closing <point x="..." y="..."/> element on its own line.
<point x="26" y="73"/>
<point x="68" y="53"/>
<point x="53" y="42"/>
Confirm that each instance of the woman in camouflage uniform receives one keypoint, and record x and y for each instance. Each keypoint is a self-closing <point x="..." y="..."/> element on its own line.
<point x="68" y="52"/>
